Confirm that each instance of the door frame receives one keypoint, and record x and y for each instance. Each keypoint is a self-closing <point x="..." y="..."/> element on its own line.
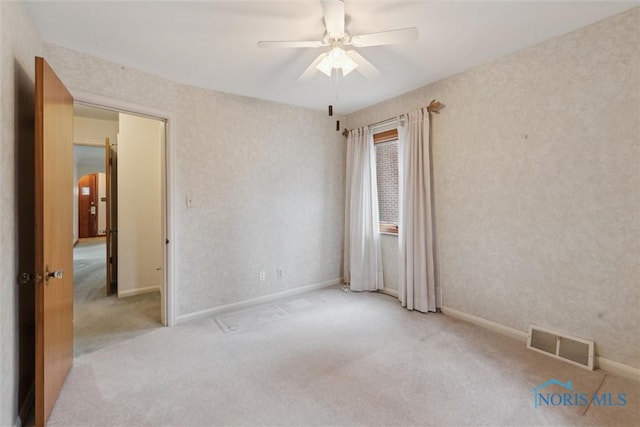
<point x="168" y="308"/>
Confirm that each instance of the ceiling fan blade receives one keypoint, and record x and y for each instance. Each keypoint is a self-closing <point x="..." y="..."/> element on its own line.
<point x="365" y="67"/>
<point x="333" y="11"/>
<point x="291" y="44"/>
<point x="312" y="70"/>
<point x="404" y="35"/>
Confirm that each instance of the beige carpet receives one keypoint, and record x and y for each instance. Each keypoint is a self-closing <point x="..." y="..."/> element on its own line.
<point x="100" y="321"/>
<point x="335" y="358"/>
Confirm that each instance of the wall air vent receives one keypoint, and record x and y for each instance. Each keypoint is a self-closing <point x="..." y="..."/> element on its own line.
<point x="574" y="350"/>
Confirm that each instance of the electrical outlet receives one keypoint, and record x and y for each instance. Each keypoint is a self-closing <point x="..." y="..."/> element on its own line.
<point x="279" y="273"/>
<point x="263" y="275"/>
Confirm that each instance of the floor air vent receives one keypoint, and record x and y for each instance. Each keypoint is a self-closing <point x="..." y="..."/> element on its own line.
<point x="556" y="344"/>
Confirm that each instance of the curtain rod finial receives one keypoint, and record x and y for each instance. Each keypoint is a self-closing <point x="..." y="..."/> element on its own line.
<point x="345" y="133"/>
<point x="435" y="106"/>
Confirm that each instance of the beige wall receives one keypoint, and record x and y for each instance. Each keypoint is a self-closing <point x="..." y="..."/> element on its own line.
<point x="91" y="131"/>
<point x="266" y="179"/>
<point x="140" y="205"/>
<point x="536" y="185"/>
<point x="20" y="43"/>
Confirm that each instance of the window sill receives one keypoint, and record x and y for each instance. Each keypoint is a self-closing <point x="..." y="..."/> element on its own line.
<point x="386" y="228"/>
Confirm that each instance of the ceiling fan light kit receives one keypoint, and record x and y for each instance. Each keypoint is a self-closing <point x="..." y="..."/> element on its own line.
<point x="336" y="39"/>
<point x="337" y="58"/>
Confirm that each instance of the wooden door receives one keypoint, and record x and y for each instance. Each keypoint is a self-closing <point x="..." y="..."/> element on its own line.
<point x="54" y="234"/>
<point x="88" y="206"/>
<point x="112" y="218"/>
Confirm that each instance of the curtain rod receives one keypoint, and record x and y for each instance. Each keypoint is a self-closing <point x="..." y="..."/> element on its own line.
<point x="433" y="107"/>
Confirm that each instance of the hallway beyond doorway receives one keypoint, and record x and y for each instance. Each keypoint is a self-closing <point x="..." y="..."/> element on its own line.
<point x="100" y="320"/>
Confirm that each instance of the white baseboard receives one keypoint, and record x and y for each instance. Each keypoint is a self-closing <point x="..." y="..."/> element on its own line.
<point x="255" y="301"/>
<point x="601" y="362"/>
<point x="618" y="368"/>
<point x="487" y="324"/>
<point x="138" y="291"/>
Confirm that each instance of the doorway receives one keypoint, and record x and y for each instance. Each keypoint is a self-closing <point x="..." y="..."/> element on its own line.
<point x="101" y="317"/>
<point x="92" y="200"/>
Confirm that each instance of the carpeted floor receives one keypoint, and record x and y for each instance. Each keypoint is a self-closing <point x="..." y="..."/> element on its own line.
<point x="329" y="358"/>
<point x="100" y="321"/>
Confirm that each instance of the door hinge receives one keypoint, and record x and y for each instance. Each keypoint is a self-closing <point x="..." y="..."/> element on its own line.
<point x="166" y="241"/>
<point x="110" y="260"/>
<point x="110" y="162"/>
<point x="25" y="278"/>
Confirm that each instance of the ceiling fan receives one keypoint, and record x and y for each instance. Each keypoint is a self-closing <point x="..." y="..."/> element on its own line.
<point x="338" y="56"/>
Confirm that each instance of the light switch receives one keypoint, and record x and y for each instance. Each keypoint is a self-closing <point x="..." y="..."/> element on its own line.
<point x="189" y="200"/>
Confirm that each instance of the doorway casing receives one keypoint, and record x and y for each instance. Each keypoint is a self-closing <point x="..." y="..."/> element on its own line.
<point x="168" y="315"/>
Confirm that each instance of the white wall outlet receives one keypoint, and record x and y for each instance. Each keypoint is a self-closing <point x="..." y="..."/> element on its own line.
<point x="263" y="275"/>
<point x="279" y="273"/>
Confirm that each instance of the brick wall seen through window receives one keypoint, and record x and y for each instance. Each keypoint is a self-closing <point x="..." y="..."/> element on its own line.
<point x="387" y="180"/>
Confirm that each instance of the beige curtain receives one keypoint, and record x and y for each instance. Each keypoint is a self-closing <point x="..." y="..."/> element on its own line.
<point x="417" y="276"/>
<point x="362" y="255"/>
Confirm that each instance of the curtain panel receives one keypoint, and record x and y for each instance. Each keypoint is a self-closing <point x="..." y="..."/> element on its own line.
<point x="362" y="256"/>
<point x="416" y="235"/>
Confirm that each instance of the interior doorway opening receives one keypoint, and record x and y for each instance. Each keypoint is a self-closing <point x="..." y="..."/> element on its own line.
<point x="119" y="204"/>
<point x="92" y="201"/>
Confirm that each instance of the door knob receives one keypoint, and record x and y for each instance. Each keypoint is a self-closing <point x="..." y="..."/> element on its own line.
<point x="58" y="274"/>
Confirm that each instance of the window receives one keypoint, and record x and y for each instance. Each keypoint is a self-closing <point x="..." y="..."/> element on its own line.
<point x="386" y="145"/>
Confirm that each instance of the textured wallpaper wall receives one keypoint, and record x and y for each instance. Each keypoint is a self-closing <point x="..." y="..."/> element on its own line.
<point x="20" y="44"/>
<point x="536" y="185"/>
<point x="266" y="181"/>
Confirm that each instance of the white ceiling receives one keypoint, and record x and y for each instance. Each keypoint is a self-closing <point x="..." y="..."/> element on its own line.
<point x="212" y="44"/>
